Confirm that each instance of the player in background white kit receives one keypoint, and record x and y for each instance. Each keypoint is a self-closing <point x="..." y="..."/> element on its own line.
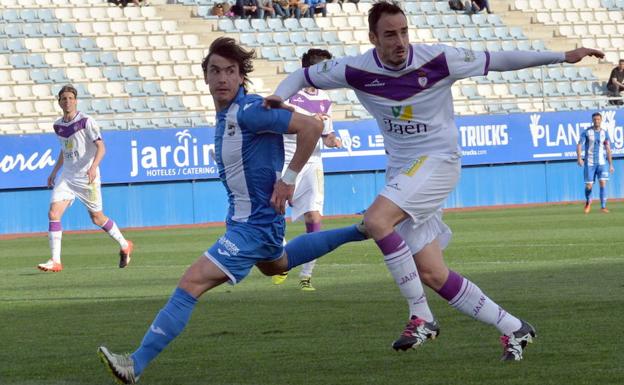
<point x="82" y="150"/>
<point x="309" y="189"/>
<point x="407" y="88"/>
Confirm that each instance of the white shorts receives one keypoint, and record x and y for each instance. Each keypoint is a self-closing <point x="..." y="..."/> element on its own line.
<point x="420" y="189"/>
<point x="70" y="189"/>
<point x="309" y="191"/>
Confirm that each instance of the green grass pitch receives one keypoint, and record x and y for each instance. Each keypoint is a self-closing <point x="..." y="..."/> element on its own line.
<point x="561" y="270"/>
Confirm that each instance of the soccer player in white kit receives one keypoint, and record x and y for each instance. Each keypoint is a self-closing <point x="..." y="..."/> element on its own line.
<point x="407" y="88"/>
<point x="82" y="150"/>
<point x="595" y="142"/>
<point x="309" y="188"/>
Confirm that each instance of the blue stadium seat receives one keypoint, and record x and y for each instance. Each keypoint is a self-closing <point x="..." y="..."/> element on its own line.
<point x="264" y="38"/>
<point x="49" y="29"/>
<point x="155" y="104"/>
<point x="550" y="89"/>
<point x="130" y="73"/>
<point x="419" y="21"/>
<point x="138" y="105"/>
<point x="57" y="75"/>
<point x="29" y="15"/>
<point x="587" y="74"/>
<point x="119" y="105"/>
<point x="87" y="44"/>
<point x="40" y="76"/>
<point x="226" y="25"/>
<point x="471" y="33"/>
<point x="160" y="123"/>
<point x="336" y="50"/>
<point x="242" y="25"/>
<point x="249" y="39"/>
<point x="31" y="30"/>
<point x="91" y="59"/>
<point x="330" y="37"/>
<point x="108" y="58"/>
<point x="502" y="33"/>
<point x="519" y="90"/>
<point x="427" y="7"/>
<point x="46" y="15"/>
<point x="486" y="33"/>
<point x="260" y="25"/>
<point x="67" y="29"/>
<point x="308" y="24"/>
<point x="112" y="73"/>
<point x="291" y="66"/>
<point x="510" y="76"/>
<point x="140" y="123"/>
<point x="287" y="53"/>
<point x="269" y="53"/>
<point x="470" y="92"/>
<point x="441" y="34"/>
<point x="412" y="7"/>
<point x="13" y="30"/>
<point x="18" y="61"/>
<point x="450" y="20"/>
<point x="152" y="89"/>
<point x="533" y="89"/>
<point x="281" y="38"/>
<point x="70" y="44"/>
<point x="101" y="106"/>
<point x="10" y="16"/>
<point x="120" y="124"/>
<point x="173" y="103"/>
<point x="36" y="61"/>
<point x="134" y="88"/>
<point x="4" y="47"/>
<point x="276" y="25"/>
<point x="298" y="38"/>
<point x="15" y="45"/>
<point x="572" y="104"/>
<point x="203" y="11"/>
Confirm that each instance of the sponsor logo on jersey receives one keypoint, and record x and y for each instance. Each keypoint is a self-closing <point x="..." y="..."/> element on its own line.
<point x="231" y="129"/>
<point x="375" y="83"/>
<point x="228" y="245"/>
<point x="403" y="112"/>
<point x="404" y="127"/>
<point x="157" y="330"/>
<point x="469" y="56"/>
<point x="246" y="106"/>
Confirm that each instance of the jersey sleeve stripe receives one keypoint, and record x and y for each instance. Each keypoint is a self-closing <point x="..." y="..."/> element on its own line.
<point x="306" y="71"/>
<point x="487" y="63"/>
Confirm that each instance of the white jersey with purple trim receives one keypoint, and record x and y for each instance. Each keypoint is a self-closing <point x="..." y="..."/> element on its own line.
<point x="77" y="139"/>
<point x="413" y="105"/>
<point x="309" y="104"/>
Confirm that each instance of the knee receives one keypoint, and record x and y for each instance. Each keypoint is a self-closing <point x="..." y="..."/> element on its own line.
<point x="377" y="225"/>
<point x="433" y="278"/>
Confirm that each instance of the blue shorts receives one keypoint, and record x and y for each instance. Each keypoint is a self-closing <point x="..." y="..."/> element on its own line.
<point x="600" y="171"/>
<point x="243" y="245"/>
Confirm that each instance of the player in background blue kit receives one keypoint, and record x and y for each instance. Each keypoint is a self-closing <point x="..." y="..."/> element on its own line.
<point x="595" y="142"/>
<point x="249" y="151"/>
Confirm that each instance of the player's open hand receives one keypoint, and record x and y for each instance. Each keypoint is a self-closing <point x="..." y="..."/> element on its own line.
<point x="91" y="174"/>
<point x="332" y="141"/>
<point x="51" y="180"/>
<point x="274" y="101"/>
<point x="611" y="169"/>
<point x="575" y="55"/>
<point x="282" y="193"/>
<point x="580" y="162"/>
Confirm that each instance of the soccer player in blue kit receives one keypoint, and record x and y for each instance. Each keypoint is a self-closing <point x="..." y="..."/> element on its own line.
<point x="424" y="162"/>
<point x="249" y="151"/>
<point x="595" y="142"/>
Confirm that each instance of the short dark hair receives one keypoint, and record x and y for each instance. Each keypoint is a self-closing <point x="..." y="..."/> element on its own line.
<point x="228" y="48"/>
<point x="68" y="88"/>
<point x="307" y="58"/>
<point x="391" y="7"/>
<point x="621" y="61"/>
<point x="596" y="114"/>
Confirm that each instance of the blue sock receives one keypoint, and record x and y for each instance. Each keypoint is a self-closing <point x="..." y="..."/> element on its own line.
<point x="587" y="194"/>
<point x="603" y="197"/>
<point x="169" y="322"/>
<point x="310" y="246"/>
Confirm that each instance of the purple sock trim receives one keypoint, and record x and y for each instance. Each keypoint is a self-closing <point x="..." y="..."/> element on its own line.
<point x="390" y="243"/>
<point x="108" y="225"/>
<point x="452" y="286"/>
<point x="313" y="227"/>
<point x="55" y="226"/>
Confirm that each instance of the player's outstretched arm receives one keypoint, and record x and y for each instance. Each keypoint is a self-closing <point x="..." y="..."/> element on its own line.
<point x="515" y="60"/>
<point x="287" y="88"/>
<point x="576" y="55"/>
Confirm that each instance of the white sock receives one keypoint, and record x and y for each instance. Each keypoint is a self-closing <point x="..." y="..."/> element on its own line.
<point x="400" y="263"/>
<point x="306" y="270"/>
<point x="111" y="228"/>
<point x="55" y="234"/>
<point x="54" y="238"/>
<point x="471" y="301"/>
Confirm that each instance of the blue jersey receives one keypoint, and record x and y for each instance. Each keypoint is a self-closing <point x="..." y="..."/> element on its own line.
<point x="594" y="143"/>
<point x="249" y="150"/>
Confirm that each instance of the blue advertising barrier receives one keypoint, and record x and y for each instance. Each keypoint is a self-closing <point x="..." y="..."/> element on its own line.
<point x="187" y="154"/>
